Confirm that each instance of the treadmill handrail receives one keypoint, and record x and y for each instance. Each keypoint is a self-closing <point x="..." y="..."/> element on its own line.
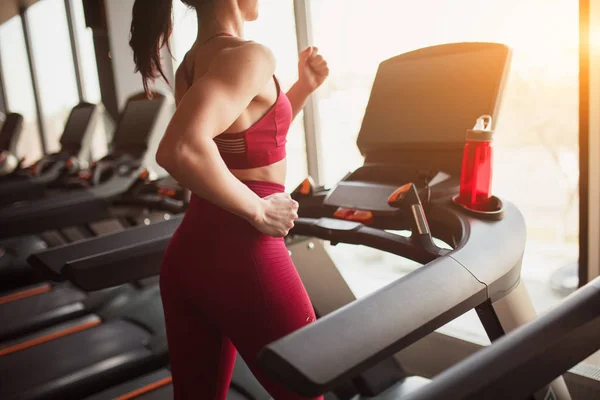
<point x="62" y="210"/>
<point x="363" y="235"/>
<point x="317" y="357"/>
<point x="23" y="210"/>
<point x="28" y="187"/>
<point x="548" y="345"/>
<point x="54" y="260"/>
<point x="126" y="264"/>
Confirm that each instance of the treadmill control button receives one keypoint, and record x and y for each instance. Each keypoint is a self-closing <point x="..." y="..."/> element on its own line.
<point x="144" y="174"/>
<point x="349" y="214"/>
<point x="167" y="192"/>
<point x="399" y="195"/>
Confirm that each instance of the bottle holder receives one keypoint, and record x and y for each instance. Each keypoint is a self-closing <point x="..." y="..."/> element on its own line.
<point x="494" y="210"/>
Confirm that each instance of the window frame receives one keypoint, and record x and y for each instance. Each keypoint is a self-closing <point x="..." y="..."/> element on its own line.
<point x="589" y="143"/>
<point x="314" y="153"/>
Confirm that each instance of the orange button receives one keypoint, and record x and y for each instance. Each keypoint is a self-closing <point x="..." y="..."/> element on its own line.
<point x="167" y="192"/>
<point x="365" y="217"/>
<point x="144" y="174"/>
<point x="305" y="187"/>
<point x="342" y="213"/>
<point x="348" y="214"/>
<point x="399" y="193"/>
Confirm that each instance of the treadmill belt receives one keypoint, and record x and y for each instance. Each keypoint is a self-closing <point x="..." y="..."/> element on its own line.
<point x="153" y="386"/>
<point x="156" y="386"/>
<point x="39" y="309"/>
<point x="74" y="361"/>
<point x="162" y="393"/>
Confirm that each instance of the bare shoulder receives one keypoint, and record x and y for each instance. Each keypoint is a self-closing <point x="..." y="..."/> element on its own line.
<point x="248" y="52"/>
<point x="249" y="61"/>
<point x="182" y="82"/>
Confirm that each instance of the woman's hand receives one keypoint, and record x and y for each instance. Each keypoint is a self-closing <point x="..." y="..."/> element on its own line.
<point x="278" y="216"/>
<point x="312" y="69"/>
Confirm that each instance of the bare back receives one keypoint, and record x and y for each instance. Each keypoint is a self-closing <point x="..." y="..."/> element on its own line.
<point x="194" y="65"/>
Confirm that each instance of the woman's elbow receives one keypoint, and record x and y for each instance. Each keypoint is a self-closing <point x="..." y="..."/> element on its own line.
<point x="165" y="157"/>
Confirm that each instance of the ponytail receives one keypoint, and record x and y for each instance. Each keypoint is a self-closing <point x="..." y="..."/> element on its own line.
<point x="151" y="28"/>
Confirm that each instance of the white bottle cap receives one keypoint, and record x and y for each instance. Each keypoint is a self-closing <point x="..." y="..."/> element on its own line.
<point x="480" y="124"/>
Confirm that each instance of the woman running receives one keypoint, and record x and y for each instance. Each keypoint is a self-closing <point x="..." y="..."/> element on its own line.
<point x="227" y="281"/>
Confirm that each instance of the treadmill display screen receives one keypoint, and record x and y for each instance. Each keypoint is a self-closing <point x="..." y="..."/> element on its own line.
<point x="136" y="123"/>
<point x="77" y="125"/>
<point x="9" y="130"/>
<point x="421" y="101"/>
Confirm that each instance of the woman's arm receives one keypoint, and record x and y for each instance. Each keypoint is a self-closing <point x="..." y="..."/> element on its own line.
<point x="187" y="150"/>
<point x="298" y="94"/>
<point x="312" y="72"/>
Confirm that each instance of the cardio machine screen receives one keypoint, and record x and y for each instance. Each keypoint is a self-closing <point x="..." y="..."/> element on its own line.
<point x="427" y="98"/>
<point x="77" y="125"/>
<point x="136" y="123"/>
<point x="9" y="131"/>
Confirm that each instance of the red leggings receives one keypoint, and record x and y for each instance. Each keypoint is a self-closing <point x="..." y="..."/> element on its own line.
<point x="226" y="287"/>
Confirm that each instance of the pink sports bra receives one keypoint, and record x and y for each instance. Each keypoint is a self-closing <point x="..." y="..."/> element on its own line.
<point x="264" y="143"/>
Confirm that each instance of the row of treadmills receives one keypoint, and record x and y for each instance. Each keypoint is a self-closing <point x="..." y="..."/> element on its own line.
<point x="80" y="251"/>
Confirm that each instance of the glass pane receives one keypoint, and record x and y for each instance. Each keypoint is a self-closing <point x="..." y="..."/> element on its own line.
<point x="536" y="159"/>
<point x="87" y="56"/>
<point x="276" y="16"/>
<point x="54" y="63"/>
<point x="185" y="30"/>
<point x="19" y="91"/>
<point x="91" y="83"/>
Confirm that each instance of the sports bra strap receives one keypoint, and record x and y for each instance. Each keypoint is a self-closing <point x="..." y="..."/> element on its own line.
<point x="190" y="77"/>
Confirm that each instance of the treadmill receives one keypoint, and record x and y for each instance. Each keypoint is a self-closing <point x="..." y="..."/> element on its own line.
<point x="80" y="206"/>
<point x="138" y="129"/>
<point x="29" y="183"/>
<point x="42" y="305"/>
<point x="9" y="138"/>
<point x="412" y="137"/>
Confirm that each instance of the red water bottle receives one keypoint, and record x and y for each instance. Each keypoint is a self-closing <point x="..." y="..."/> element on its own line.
<point x="476" y="174"/>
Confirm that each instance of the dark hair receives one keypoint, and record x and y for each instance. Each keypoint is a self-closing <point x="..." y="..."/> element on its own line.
<point x="151" y="28"/>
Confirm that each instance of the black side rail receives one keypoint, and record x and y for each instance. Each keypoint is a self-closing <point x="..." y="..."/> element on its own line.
<point x="30" y="187"/>
<point x="108" y="260"/>
<point x="523" y="361"/>
<point x="153" y="202"/>
<point x="123" y="265"/>
<point x="317" y="358"/>
<point x="21" y="189"/>
<point x="62" y="210"/>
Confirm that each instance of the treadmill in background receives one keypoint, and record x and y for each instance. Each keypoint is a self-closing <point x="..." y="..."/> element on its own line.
<point x="76" y="141"/>
<point x="83" y="206"/>
<point x="9" y="138"/>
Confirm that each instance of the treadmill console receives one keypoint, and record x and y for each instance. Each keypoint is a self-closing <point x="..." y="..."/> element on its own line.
<point x="77" y="126"/>
<point x="136" y="124"/>
<point x="367" y="196"/>
<point x="10" y="132"/>
<point x="423" y="102"/>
